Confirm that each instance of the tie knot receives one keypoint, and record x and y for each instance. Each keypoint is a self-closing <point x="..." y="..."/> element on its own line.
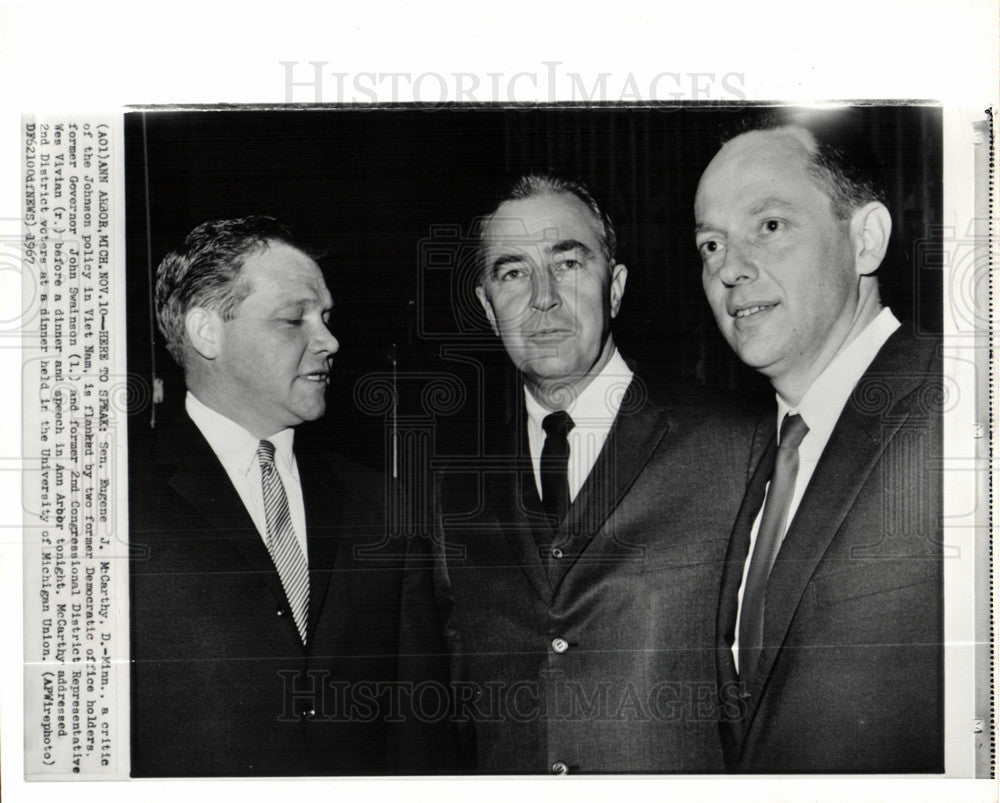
<point x="793" y="430"/>
<point x="558" y="423"/>
<point x="265" y="453"/>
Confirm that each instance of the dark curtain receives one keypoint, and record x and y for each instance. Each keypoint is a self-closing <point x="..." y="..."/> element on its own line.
<point x="387" y="198"/>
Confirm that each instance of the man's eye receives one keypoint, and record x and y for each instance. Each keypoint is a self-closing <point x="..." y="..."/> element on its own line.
<point x="569" y="264"/>
<point x="709" y="248"/>
<point x="512" y="273"/>
<point x="772" y="225"/>
<point x="293" y="321"/>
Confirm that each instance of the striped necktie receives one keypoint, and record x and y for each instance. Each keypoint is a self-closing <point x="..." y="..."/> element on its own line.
<point x="282" y="544"/>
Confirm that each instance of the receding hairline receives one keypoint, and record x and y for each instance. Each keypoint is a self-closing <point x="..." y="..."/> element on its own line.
<point x="808" y="147"/>
<point x="548" y="192"/>
<point x="271" y="243"/>
<point x="803" y="137"/>
<point x="262" y="249"/>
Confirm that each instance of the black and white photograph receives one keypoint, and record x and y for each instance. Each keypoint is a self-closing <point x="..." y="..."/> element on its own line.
<point x="529" y="401"/>
<point x="605" y="440"/>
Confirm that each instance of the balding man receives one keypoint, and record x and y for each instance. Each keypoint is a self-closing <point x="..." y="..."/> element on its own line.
<point x="830" y="617"/>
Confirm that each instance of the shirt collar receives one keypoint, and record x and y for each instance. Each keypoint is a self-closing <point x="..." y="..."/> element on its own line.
<point x="598" y="403"/>
<point x="826" y="397"/>
<point x="232" y="443"/>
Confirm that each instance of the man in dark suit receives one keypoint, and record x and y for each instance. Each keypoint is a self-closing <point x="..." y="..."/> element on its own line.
<point x="263" y="635"/>
<point x="575" y="564"/>
<point x="830" y="616"/>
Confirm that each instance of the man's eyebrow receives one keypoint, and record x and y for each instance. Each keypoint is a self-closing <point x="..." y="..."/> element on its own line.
<point x="563" y="246"/>
<point x="559" y="247"/>
<point x="302" y="304"/>
<point x="768" y="204"/>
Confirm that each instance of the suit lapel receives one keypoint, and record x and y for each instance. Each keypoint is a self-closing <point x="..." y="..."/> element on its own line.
<point x="855" y="446"/>
<point x="201" y="480"/>
<point x="323" y="498"/>
<point x="204" y="483"/>
<point x="762" y="455"/>
<point x="633" y="438"/>
<point x="518" y="509"/>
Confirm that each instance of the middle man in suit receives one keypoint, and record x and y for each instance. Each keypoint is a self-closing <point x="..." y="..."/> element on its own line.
<point x="577" y="564"/>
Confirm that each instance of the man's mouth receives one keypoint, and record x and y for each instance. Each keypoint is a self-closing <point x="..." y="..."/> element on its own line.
<point x="746" y="312"/>
<point x="318" y="376"/>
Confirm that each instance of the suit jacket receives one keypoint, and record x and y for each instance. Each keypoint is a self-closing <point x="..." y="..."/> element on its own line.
<point x="851" y="675"/>
<point x="600" y="660"/>
<point x="221" y="683"/>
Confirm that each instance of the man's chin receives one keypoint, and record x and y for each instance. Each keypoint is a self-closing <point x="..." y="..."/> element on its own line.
<point x="311" y="412"/>
<point x="764" y="360"/>
<point x="549" y="370"/>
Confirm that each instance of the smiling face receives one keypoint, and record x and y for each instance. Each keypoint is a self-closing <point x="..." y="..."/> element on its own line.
<point x="549" y="291"/>
<point x="779" y="268"/>
<point x="270" y="362"/>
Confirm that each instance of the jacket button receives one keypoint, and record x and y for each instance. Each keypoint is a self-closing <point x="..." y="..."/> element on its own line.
<point x="280" y="612"/>
<point x="560" y="768"/>
<point x="556" y="553"/>
<point x="309" y="714"/>
<point x="559" y="645"/>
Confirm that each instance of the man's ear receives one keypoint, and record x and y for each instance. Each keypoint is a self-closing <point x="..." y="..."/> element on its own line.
<point x="871" y="226"/>
<point x="204" y="331"/>
<point x="491" y="316"/>
<point x="619" y="275"/>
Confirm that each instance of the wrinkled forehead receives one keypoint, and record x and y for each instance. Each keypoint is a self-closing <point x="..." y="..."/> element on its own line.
<point x="549" y="217"/>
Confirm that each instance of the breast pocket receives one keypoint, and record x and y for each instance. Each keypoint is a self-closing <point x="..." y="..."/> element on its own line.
<point x="676" y="556"/>
<point x="869" y="579"/>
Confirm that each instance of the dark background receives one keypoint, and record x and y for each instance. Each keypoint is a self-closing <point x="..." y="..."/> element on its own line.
<point x="388" y="196"/>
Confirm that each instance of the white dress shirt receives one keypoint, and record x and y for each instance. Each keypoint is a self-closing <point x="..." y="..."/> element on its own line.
<point x="593" y="412"/>
<point x="237" y="451"/>
<point x="820" y="408"/>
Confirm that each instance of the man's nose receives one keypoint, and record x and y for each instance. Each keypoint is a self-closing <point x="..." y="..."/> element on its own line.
<point x="325" y="341"/>
<point x="738" y="266"/>
<point x="544" y="292"/>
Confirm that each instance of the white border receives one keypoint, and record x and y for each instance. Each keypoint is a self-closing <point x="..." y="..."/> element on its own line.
<point x="76" y="56"/>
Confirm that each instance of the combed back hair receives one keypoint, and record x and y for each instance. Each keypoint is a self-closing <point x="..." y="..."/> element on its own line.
<point x="830" y="166"/>
<point x="204" y="271"/>
<point x="533" y="185"/>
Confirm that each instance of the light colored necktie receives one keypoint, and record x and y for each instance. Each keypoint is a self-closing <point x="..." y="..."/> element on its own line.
<point x="773" y="523"/>
<point x="281" y="541"/>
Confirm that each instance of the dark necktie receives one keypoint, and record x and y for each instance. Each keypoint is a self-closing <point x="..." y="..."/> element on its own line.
<point x="555" y="465"/>
<point x="282" y="544"/>
<point x="772" y="528"/>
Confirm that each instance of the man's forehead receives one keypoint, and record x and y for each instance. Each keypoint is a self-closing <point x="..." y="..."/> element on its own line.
<point x="286" y="274"/>
<point x="755" y="166"/>
<point x="770" y="145"/>
<point x="545" y="219"/>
